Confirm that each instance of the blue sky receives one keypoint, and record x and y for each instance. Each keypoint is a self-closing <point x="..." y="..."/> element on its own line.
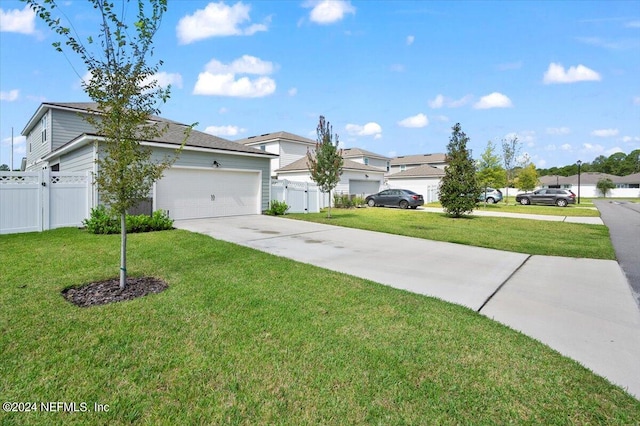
<point x="392" y="77"/>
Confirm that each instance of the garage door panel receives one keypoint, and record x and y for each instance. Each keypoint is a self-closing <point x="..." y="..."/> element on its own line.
<point x="194" y="193"/>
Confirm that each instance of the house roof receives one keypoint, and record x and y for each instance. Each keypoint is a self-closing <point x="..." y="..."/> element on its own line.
<point x="419" y="159"/>
<point x="173" y="136"/>
<point x="359" y="152"/>
<point x="424" y="170"/>
<point x="301" y="165"/>
<point x="587" y="178"/>
<point x="269" y="137"/>
<point x="632" y="178"/>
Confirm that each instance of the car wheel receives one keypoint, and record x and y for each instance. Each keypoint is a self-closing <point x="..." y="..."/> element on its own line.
<point x="414" y="207"/>
<point x="371" y="203"/>
<point x="561" y="202"/>
<point x="404" y="204"/>
<point x="490" y="200"/>
<point x="524" y="201"/>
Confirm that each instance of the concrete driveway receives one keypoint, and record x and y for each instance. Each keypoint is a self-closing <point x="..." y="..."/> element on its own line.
<point x="583" y="308"/>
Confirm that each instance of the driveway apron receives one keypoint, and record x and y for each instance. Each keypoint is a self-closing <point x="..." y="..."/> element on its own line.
<point x="584" y="310"/>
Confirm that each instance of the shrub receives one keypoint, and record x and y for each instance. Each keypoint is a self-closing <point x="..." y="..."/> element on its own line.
<point x="277" y="208"/>
<point x="102" y="221"/>
<point x="342" y="201"/>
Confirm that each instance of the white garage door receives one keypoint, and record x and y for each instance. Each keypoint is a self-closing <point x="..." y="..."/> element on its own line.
<point x="366" y="187"/>
<point x="197" y="193"/>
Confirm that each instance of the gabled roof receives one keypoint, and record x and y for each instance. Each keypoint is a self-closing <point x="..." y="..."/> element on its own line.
<point x="80" y="107"/>
<point x="358" y="152"/>
<point x="417" y="172"/>
<point x="173" y="137"/>
<point x="301" y="165"/>
<point x="419" y="159"/>
<point x="587" y="178"/>
<point x="272" y="137"/>
<point x="633" y="178"/>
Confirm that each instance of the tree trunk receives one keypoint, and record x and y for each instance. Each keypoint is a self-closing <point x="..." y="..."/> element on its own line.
<point x="123" y="250"/>
<point x="329" y="211"/>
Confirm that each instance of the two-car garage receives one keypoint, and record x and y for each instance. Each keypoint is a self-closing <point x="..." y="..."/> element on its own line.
<point x="192" y="193"/>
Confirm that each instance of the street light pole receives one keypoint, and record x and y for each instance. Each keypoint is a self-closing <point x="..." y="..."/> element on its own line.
<point x="579" y="164"/>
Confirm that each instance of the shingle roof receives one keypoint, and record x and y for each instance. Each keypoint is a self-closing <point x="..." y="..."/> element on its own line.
<point x="251" y="140"/>
<point x="588" y="178"/>
<point x="174" y="134"/>
<point x="419" y="159"/>
<point x="359" y="152"/>
<point x="417" y="172"/>
<point x="301" y="165"/>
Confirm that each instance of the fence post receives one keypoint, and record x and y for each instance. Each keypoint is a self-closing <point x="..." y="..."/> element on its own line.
<point x="45" y="192"/>
<point x="306" y="197"/>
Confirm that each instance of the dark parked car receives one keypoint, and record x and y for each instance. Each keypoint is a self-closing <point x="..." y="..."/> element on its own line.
<point x="402" y="198"/>
<point x="559" y="197"/>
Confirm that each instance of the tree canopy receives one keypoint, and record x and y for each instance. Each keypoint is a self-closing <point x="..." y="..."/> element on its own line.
<point x="459" y="190"/>
<point x="325" y="164"/>
<point x="489" y="168"/>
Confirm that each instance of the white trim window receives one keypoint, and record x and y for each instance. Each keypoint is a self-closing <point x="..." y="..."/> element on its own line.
<point x="43" y="130"/>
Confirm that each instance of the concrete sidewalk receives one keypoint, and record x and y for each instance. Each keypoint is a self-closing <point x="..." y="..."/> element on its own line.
<point x="583" y="308"/>
<point x="558" y="218"/>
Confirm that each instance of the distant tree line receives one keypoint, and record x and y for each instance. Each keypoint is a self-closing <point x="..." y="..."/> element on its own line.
<point x="618" y="164"/>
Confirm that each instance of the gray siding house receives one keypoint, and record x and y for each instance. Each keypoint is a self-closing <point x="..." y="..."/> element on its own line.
<point x="211" y="176"/>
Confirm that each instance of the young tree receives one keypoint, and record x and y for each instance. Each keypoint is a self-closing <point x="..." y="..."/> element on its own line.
<point x="4" y="168"/>
<point x="325" y="165"/>
<point x="459" y="189"/>
<point x="510" y="151"/>
<point x="605" y="186"/>
<point x="123" y="86"/>
<point x="527" y="178"/>
<point x="489" y="170"/>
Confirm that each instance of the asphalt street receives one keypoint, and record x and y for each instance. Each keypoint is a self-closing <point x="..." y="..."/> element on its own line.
<point x="623" y="220"/>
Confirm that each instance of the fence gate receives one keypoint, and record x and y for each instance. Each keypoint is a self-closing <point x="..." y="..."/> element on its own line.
<point x="37" y="201"/>
<point x="301" y="197"/>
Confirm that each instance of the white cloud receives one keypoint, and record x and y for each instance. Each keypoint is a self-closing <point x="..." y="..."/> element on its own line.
<point x="557" y="74"/>
<point x="633" y="24"/>
<point x="224" y="130"/>
<point x="442" y="118"/>
<point x="627" y="139"/>
<point x="18" y="21"/>
<point x="437" y="102"/>
<point x="293" y="91"/>
<point x="493" y="100"/>
<point x="558" y="130"/>
<point x="591" y="148"/>
<point x="220" y="79"/>
<point x="326" y="12"/>
<point x="10" y="96"/>
<point x="605" y="133"/>
<point x="416" y="121"/>
<point x="613" y="150"/>
<point x="565" y="147"/>
<point x="223" y="110"/>
<point x="164" y="79"/>
<point x="215" y="20"/>
<point x="636" y="100"/>
<point x="369" y="129"/>
<point x="410" y="40"/>
<point x="440" y="101"/>
<point x="524" y="136"/>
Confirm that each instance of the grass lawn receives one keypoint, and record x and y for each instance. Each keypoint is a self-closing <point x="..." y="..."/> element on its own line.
<point x="583" y="210"/>
<point x="516" y="235"/>
<point x="244" y="337"/>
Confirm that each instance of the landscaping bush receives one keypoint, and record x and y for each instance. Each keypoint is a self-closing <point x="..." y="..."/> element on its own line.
<point x="277" y="208"/>
<point x="342" y="201"/>
<point x="102" y="221"/>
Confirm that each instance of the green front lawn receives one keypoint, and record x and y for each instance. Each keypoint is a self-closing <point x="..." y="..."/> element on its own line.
<point x="517" y="235"/>
<point x="573" y="210"/>
<point x="244" y="337"/>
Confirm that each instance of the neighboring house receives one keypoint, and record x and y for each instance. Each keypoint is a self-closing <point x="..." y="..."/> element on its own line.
<point x="406" y="162"/>
<point x="211" y="177"/>
<point x="287" y="146"/>
<point x="626" y="186"/>
<point x="356" y="178"/>
<point x="423" y="179"/>
<point x="367" y="158"/>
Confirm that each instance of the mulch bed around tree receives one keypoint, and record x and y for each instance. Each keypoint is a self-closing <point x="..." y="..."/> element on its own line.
<point x="103" y="292"/>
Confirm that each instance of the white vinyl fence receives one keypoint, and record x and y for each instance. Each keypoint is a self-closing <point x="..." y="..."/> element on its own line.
<point x="37" y="201"/>
<point x="301" y="197"/>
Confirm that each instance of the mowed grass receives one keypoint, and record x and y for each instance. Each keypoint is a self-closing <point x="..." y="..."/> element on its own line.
<point x="585" y="209"/>
<point x="517" y="235"/>
<point x="243" y="337"/>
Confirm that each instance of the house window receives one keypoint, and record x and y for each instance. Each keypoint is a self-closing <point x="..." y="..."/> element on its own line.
<point x="43" y="124"/>
<point x="366" y="161"/>
<point x="55" y="168"/>
<point x="263" y="148"/>
<point x="388" y="166"/>
<point x="403" y="168"/>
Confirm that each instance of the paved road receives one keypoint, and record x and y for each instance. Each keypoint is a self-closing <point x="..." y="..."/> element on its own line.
<point x="623" y="221"/>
